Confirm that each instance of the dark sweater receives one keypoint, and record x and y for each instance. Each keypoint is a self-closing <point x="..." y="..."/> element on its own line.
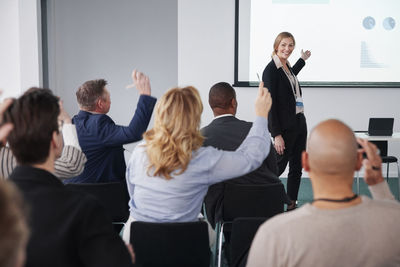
<point x="68" y="228"/>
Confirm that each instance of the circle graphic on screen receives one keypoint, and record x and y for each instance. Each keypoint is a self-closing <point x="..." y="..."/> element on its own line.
<point x="389" y="23"/>
<point x="368" y="22"/>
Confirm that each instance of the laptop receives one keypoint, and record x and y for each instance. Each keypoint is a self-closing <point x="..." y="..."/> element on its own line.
<point x="380" y="126"/>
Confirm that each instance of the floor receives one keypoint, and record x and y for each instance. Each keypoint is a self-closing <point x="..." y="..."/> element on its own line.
<point x="306" y="195"/>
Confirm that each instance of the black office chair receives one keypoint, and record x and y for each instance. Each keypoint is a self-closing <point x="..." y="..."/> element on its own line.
<point x="248" y="201"/>
<point x="170" y="244"/>
<point x="113" y="196"/>
<point x="383" y="148"/>
<point x="386" y="159"/>
<point x="243" y="232"/>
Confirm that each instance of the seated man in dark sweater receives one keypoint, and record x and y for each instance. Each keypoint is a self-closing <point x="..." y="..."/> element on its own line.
<point x="68" y="228"/>
<point x="100" y="138"/>
<point x="226" y="132"/>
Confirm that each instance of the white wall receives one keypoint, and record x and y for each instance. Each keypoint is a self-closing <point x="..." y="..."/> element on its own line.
<point x="19" y="46"/>
<point x="30" y="43"/>
<point x="206" y="56"/>
<point x="9" y="48"/>
<point x="95" y="39"/>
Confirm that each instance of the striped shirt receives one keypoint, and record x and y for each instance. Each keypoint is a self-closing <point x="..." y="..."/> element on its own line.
<point x="70" y="164"/>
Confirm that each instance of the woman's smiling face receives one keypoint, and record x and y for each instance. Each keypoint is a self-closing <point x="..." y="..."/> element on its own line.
<point x="285" y="48"/>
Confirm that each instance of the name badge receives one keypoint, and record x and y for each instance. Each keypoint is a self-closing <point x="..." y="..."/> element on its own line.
<point x="299" y="102"/>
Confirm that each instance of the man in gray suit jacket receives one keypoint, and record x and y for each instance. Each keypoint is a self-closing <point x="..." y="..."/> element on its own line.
<point x="226" y="132"/>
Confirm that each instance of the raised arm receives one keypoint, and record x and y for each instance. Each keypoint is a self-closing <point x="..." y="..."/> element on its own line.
<point x="298" y="66"/>
<point x="72" y="160"/>
<point x="8" y="161"/>
<point x="5" y="128"/>
<point x="301" y="62"/>
<point x="113" y="134"/>
<point x="373" y="173"/>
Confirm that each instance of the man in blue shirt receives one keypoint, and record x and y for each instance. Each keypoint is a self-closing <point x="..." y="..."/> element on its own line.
<point x="100" y="138"/>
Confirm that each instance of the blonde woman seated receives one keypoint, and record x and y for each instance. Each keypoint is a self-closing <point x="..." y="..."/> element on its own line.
<point x="169" y="173"/>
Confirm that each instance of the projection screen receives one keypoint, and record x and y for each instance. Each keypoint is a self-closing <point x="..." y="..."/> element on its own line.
<point x="354" y="43"/>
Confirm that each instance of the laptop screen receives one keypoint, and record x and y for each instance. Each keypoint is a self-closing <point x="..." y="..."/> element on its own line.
<point x="380" y="126"/>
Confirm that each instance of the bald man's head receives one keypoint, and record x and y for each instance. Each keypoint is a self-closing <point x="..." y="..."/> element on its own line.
<point x="332" y="148"/>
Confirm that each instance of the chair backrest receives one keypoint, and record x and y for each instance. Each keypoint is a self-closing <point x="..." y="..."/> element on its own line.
<point x="382" y="146"/>
<point x="113" y="196"/>
<point x="243" y="232"/>
<point x="252" y="200"/>
<point x="170" y="244"/>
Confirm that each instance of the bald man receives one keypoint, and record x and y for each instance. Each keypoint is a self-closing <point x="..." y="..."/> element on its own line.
<point x="338" y="228"/>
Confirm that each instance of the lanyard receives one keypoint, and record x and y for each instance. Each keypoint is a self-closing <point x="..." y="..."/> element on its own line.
<point x="346" y="199"/>
<point x="292" y="82"/>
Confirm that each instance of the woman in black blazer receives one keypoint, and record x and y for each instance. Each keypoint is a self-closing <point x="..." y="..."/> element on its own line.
<point x="286" y="122"/>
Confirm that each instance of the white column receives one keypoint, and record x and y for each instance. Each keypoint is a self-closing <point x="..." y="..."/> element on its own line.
<point x="30" y="43"/>
<point x="9" y="48"/>
<point x="20" y="46"/>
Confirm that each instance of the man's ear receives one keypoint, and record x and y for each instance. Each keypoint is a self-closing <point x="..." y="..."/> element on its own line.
<point x="359" y="161"/>
<point x="304" y="161"/>
<point x="234" y="103"/>
<point x="99" y="103"/>
<point x="56" y="141"/>
<point x="234" y="106"/>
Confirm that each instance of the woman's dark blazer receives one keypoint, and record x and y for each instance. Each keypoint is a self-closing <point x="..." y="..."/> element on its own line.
<point x="283" y="111"/>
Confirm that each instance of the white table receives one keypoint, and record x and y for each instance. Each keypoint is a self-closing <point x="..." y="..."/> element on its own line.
<point x="394" y="137"/>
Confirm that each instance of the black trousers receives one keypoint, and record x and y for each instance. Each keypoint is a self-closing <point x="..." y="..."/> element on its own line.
<point x="295" y="143"/>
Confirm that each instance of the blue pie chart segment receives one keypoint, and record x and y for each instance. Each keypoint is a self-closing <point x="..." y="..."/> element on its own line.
<point x="389" y="23"/>
<point x="368" y="22"/>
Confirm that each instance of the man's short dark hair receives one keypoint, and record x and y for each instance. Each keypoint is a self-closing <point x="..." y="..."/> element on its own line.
<point x="89" y="92"/>
<point x="34" y="116"/>
<point x="221" y="95"/>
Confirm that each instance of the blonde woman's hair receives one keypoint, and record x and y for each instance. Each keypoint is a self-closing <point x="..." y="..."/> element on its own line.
<point x="176" y="134"/>
<point x="279" y="38"/>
